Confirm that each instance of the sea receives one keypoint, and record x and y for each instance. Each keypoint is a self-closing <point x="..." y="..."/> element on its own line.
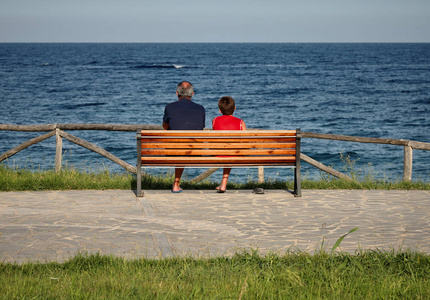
<point x="366" y="90"/>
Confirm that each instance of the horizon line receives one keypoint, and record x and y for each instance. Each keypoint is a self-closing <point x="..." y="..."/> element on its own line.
<point x="33" y="42"/>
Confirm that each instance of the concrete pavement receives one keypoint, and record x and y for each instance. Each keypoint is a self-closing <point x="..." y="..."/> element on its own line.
<point x="55" y="225"/>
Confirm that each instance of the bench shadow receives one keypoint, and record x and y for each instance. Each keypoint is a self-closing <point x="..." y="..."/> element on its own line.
<point x="133" y="186"/>
<point x="289" y="191"/>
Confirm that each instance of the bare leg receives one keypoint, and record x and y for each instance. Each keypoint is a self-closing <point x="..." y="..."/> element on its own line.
<point x="178" y="174"/>
<point x="223" y="186"/>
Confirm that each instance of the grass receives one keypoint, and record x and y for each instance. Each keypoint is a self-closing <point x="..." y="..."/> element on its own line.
<point x="68" y="179"/>
<point x="14" y="179"/>
<point x="246" y="275"/>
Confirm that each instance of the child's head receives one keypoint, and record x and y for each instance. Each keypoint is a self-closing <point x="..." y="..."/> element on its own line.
<point x="226" y="105"/>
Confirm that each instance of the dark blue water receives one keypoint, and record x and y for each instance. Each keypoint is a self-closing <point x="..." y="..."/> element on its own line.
<point x="371" y="90"/>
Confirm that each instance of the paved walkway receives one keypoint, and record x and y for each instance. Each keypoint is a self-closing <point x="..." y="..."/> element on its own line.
<point x="54" y="225"/>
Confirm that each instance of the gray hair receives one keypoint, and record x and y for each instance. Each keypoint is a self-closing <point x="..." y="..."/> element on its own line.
<point x="185" y="89"/>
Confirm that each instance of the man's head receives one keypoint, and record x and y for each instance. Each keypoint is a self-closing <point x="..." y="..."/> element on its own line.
<point x="185" y="90"/>
<point x="226" y="105"/>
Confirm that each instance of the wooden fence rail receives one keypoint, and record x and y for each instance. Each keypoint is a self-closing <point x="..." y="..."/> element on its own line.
<point x="57" y="129"/>
<point x="80" y="126"/>
<point x="408" y="146"/>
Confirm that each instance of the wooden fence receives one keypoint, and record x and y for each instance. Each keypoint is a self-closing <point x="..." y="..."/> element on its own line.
<point x="59" y="131"/>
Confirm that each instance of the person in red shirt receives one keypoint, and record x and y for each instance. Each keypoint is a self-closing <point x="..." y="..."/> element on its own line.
<point x="226" y="107"/>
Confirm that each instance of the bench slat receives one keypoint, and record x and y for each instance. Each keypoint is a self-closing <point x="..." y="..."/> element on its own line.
<point x="182" y="152"/>
<point x="240" y="160"/>
<point x="219" y="165"/>
<point x="217" y="133"/>
<point x="218" y="145"/>
<point x="216" y="140"/>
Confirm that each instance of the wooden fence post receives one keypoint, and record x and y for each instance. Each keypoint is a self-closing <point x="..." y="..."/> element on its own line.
<point x="58" y="150"/>
<point x="407" y="164"/>
<point x="260" y="174"/>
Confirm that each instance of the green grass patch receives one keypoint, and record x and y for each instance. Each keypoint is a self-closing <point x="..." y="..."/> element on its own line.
<point x="246" y="275"/>
<point x="68" y="179"/>
<point x="14" y="179"/>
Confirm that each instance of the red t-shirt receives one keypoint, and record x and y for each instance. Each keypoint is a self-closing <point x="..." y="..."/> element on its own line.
<point x="227" y="123"/>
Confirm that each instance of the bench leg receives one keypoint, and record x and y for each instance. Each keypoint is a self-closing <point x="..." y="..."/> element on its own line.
<point x="297" y="186"/>
<point x="139" y="192"/>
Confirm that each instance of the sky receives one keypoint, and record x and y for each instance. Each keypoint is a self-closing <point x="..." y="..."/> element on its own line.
<point x="239" y="21"/>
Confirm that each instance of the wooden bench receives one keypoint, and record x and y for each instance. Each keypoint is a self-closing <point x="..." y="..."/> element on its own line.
<point x="203" y="148"/>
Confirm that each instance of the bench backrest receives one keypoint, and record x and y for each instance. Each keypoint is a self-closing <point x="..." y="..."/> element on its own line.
<point x="219" y="148"/>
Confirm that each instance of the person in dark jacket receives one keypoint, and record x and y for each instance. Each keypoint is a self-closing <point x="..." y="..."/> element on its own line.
<point x="183" y="114"/>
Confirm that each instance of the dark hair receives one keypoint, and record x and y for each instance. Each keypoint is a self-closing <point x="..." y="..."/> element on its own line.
<point x="226" y="105"/>
<point x="185" y="89"/>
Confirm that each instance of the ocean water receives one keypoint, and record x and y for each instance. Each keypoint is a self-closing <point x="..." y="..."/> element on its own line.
<point x="370" y="90"/>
